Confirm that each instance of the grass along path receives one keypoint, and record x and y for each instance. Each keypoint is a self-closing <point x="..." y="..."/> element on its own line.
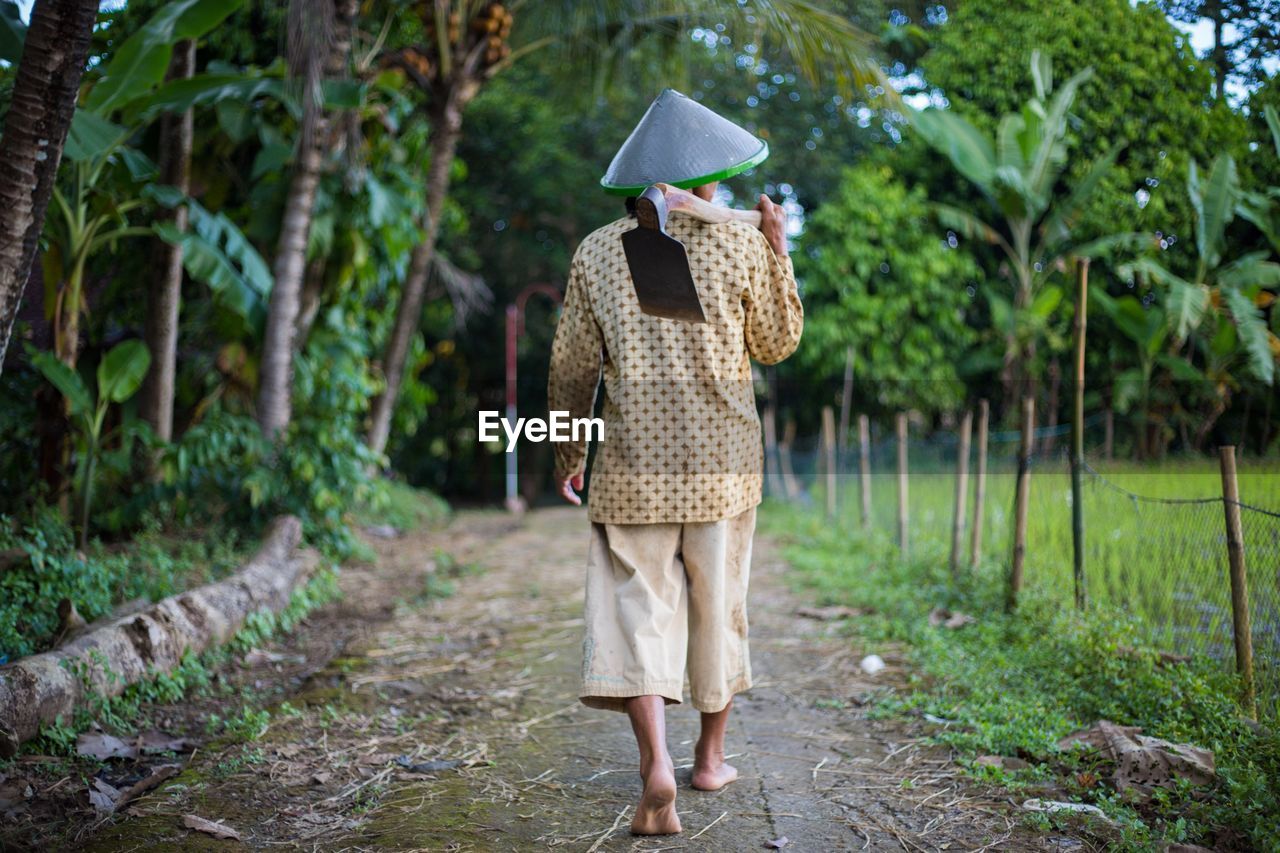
<point x="437" y="721"/>
<point x="1013" y="685"/>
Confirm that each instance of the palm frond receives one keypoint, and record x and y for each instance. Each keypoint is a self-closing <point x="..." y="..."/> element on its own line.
<point x="1051" y="153"/>
<point x="1057" y="225"/>
<point x="468" y="292"/>
<point x="1187" y="302"/>
<point x="1273" y="122"/>
<point x="969" y="226"/>
<point x="1252" y="330"/>
<point x="1215" y="203"/>
<point x="1250" y="271"/>
<point x="825" y="47"/>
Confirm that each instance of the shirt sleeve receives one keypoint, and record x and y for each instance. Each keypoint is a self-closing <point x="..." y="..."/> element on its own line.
<point x="576" y="359"/>
<point x="774" y="314"/>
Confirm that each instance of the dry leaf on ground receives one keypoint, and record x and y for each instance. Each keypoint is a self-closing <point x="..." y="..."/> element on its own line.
<point x="154" y="741"/>
<point x="217" y="830"/>
<point x="433" y="766"/>
<point x="1038" y="805"/>
<point x="949" y="619"/>
<point x="1143" y="763"/>
<point x="1002" y="761"/>
<point x="102" y="746"/>
<point x="103" y="796"/>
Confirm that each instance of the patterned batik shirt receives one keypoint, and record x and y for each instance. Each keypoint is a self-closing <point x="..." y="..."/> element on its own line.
<point x="681" y="434"/>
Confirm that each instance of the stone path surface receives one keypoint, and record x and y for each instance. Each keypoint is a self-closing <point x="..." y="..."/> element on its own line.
<point x="434" y="722"/>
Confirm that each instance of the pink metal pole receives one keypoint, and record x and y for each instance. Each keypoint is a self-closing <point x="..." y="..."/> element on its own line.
<point x="513" y="320"/>
<point x="515" y="328"/>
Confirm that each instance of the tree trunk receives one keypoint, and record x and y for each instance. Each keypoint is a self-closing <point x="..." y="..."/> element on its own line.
<point x="1051" y="421"/>
<point x="176" y="133"/>
<point x="275" y="403"/>
<point x="446" y="124"/>
<point x="275" y="391"/>
<point x="312" y="290"/>
<point x="1221" y="62"/>
<point x="35" y="128"/>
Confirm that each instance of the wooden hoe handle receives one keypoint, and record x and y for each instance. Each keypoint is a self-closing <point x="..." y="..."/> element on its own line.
<point x="688" y="204"/>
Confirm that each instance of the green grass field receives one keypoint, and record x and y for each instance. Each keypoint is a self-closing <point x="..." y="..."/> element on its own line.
<point x="1165" y="564"/>
<point x="1014" y="684"/>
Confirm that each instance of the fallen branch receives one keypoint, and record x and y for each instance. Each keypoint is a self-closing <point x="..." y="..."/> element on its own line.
<point x="37" y="690"/>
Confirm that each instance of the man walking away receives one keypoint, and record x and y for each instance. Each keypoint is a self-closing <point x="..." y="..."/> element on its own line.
<point x="677" y="477"/>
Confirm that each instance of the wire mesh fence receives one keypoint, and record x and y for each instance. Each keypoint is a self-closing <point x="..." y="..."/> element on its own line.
<point x="1155" y="534"/>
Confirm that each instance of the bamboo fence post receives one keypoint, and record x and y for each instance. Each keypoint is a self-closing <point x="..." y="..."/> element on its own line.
<point x="772" y="472"/>
<point x="784" y="460"/>
<point x="1021" y="500"/>
<point x="1240" y="627"/>
<point x="829" y="457"/>
<point x="980" y="484"/>
<point x="846" y="400"/>
<point x="864" y="467"/>
<point x="1077" y="435"/>
<point x="962" y="490"/>
<point x="901" y="428"/>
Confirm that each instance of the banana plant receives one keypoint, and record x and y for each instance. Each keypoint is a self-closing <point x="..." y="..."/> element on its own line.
<point x="1018" y="173"/>
<point x="119" y="376"/>
<point x="1137" y="353"/>
<point x="1220" y="287"/>
<point x="1263" y="208"/>
<point x="87" y="217"/>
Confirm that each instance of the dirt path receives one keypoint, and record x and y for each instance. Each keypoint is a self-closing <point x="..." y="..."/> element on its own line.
<point x="484" y="680"/>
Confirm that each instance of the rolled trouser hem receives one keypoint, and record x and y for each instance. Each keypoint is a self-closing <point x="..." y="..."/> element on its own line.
<point x="612" y="697"/>
<point x="716" y="703"/>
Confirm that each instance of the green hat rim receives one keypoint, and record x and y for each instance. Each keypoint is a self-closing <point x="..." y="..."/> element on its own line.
<point x="688" y="183"/>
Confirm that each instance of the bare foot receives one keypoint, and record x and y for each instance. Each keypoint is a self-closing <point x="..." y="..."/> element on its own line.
<point x="656" y="814"/>
<point x="713" y="777"/>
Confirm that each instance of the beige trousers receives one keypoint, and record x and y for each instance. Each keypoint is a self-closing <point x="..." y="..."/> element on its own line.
<point x="663" y="598"/>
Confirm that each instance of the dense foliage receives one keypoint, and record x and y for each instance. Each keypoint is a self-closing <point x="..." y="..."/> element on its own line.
<point x="882" y="282"/>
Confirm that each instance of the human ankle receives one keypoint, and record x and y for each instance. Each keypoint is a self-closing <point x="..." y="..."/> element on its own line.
<point x="711" y="755"/>
<point x="663" y="762"/>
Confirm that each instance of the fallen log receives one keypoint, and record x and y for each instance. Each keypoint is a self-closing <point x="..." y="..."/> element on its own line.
<point x="36" y="690"/>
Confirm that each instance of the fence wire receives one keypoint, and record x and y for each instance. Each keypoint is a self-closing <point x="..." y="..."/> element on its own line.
<point x="1155" y="535"/>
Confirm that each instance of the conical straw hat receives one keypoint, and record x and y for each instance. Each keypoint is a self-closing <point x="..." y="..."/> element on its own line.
<point x="681" y="142"/>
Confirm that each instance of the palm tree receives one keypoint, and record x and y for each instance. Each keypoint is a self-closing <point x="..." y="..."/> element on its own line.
<point x="165" y="291"/>
<point x="320" y="44"/>
<point x="1221" y="292"/>
<point x="1018" y="175"/>
<point x="469" y="41"/>
<point x="35" y="129"/>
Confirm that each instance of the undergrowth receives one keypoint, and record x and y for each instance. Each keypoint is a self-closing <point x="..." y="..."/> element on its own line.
<point x="194" y="676"/>
<point x="1015" y="684"/>
<point x="153" y="565"/>
<point x="402" y="506"/>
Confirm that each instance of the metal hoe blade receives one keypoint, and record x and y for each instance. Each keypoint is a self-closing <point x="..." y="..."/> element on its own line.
<point x="659" y="264"/>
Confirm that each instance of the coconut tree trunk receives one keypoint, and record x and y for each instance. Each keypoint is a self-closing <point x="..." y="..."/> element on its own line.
<point x="446" y="123"/>
<point x="35" y="129"/>
<point x="176" y="133"/>
<point x="309" y="302"/>
<point x="275" y="403"/>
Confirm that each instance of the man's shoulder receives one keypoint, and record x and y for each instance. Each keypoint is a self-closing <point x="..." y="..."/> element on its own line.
<point x="736" y="229"/>
<point x="604" y="238"/>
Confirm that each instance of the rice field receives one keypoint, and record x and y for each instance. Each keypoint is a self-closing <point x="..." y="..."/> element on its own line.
<point x="1155" y="536"/>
